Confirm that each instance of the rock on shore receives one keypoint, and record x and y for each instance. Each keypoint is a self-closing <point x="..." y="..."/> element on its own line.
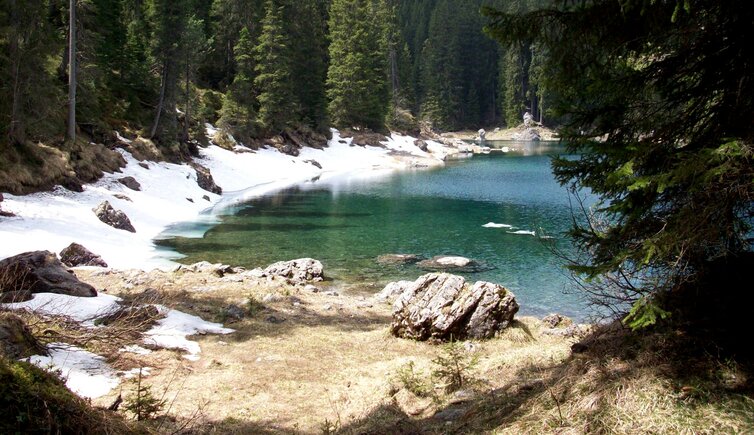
<point x="444" y="307"/>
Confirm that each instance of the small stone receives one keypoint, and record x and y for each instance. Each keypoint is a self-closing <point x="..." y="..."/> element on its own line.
<point x="235" y="312"/>
<point x="274" y="320"/>
<point x="144" y="165"/>
<point x="77" y="255"/>
<point x="311" y="288"/>
<point x="271" y="298"/>
<point x="115" y="218"/>
<point x="130" y="182"/>
<point x="122" y="197"/>
<point x="397" y="259"/>
<point x="327" y="307"/>
<point x="189" y="200"/>
<point x="450" y="414"/>
<point x="206" y="198"/>
<point x="331" y="293"/>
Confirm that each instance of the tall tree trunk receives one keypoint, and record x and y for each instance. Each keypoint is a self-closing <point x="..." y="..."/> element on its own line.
<point x="187" y="115"/>
<point x="394" y="78"/>
<point x="163" y="83"/>
<point x="541" y="108"/>
<point x="72" y="71"/>
<point x="15" y="129"/>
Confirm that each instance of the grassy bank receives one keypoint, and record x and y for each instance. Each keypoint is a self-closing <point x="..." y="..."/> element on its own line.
<point x="305" y="362"/>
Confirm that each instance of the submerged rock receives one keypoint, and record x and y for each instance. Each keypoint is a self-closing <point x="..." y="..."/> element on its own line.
<point x="398" y="259"/>
<point x="115" y="218"/>
<point x="444" y="307"/>
<point x="40" y="272"/>
<point x="298" y="271"/>
<point x="452" y="263"/>
<point x="77" y="255"/>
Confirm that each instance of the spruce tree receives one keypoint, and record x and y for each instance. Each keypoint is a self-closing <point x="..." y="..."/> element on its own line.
<point x="657" y="99"/>
<point x="238" y="114"/>
<point x="273" y="80"/>
<point x="357" y="77"/>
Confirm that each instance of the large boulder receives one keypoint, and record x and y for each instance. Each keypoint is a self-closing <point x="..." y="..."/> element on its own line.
<point x="115" y="218"/>
<point x="204" y="179"/>
<point x="297" y="271"/>
<point x="530" y="134"/>
<point x="16" y="340"/>
<point x="40" y="272"/>
<point x="77" y="255"/>
<point x="444" y="307"/>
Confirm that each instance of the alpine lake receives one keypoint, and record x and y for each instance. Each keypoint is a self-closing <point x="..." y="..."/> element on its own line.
<point x="503" y="209"/>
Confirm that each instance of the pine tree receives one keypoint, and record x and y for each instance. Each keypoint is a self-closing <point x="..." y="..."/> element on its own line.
<point x="30" y="99"/>
<point x="169" y="19"/>
<point x="238" y="114"/>
<point x="357" y="77"/>
<point x="273" y="80"/>
<point x="309" y="61"/>
<point x="657" y="101"/>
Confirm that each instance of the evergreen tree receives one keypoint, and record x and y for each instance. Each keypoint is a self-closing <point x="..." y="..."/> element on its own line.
<point x="169" y="20"/>
<point x="309" y="61"/>
<point x="238" y="114"/>
<point x="357" y="77"/>
<point x="658" y="103"/>
<point x="273" y="80"/>
<point x="30" y="99"/>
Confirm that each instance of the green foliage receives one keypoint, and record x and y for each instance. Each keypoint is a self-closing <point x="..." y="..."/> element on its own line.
<point x="454" y="367"/>
<point x="142" y="403"/>
<point x="35" y="401"/>
<point x="407" y="377"/>
<point x="357" y="76"/>
<point x="273" y="70"/>
<point x="652" y="96"/>
<point x="238" y="114"/>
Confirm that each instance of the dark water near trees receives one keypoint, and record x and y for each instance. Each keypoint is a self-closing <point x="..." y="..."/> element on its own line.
<point x="348" y="223"/>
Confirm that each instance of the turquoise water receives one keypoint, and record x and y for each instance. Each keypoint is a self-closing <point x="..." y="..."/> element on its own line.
<point x="346" y="224"/>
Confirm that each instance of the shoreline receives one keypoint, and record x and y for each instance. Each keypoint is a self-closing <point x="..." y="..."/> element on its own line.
<point x="170" y="195"/>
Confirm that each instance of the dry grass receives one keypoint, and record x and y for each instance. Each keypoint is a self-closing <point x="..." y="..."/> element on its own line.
<point x="332" y="362"/>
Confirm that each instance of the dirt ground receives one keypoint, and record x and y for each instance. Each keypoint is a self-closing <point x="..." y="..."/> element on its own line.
<point x="306" y="362"/>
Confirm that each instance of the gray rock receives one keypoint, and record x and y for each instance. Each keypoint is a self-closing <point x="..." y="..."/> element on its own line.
<point x="298" y="271"/>
<point x="274" y="320"/>
<point x="77" y="255"/>
<point x="130" y="182"/>
<point x="233" y="311"/>
<point x="443" y="307"/>
<point x="313" y="163"/>
<point x="450" y="414"/>
<point x="554" y="320"/>
<point x="16" y="340"/>
<point x="332" y="293"/>
<point x="482" y="135"/>
<point x="206" y="198"/>
<point x="421" y="144"/>
<point x="452" y="263"/>
<point x="115" y="218"/>
<point x="41" y="272"/>
<point x="271" y="298"/>
<point x="144" y="165"/>
<point x="311" y="288"/>
<point x="122" y="196"/>
<point x="204" y="179"/>
<point x="528" y="119"/>
<point x="530" y="134"/>
<point x="392" y="290"/>
<point x="390" y="259"/>
<point x="569" y="332"/>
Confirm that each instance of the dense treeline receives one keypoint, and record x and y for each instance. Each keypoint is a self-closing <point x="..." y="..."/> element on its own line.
<point x="257" y="68"/>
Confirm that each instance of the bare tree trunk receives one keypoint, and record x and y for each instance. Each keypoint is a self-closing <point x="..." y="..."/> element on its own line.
<point x="394" y="78"/>
<point x="163" y="83"/>
<point x="72" y="71"/>
<point x="187" y="115"/>
<point x="15" y="129"/>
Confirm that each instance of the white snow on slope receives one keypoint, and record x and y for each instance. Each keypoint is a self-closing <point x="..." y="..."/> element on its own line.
<point x="53" y="220"/>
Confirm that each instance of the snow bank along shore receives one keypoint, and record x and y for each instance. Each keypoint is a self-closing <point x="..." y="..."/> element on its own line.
<point x="170" y="194"/>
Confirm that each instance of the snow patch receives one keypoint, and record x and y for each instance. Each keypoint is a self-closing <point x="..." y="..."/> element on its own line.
<point x="171" y="331"/>
<point x="495" y="225"/>
<point x="85" y="373"/>
<point x="84" y="310"/>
